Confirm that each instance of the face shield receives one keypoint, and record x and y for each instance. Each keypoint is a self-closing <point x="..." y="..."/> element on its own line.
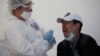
<point x="13" y="4"/>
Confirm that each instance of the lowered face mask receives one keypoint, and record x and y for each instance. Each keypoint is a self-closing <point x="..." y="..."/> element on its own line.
<point x="70" y="36"/>
<point x="26" y="15"/>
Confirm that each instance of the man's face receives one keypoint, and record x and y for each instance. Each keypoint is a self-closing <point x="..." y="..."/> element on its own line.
<point x="67" y="27"/>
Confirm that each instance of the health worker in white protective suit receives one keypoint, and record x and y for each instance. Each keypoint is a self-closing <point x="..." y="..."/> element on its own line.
<point x="22" y="35"/>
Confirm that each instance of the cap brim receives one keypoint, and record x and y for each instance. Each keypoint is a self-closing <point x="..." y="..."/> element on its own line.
<point x="59" y="20"/>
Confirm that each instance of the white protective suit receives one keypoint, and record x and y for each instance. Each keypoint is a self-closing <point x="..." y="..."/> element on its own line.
<point x="20" y="39"/>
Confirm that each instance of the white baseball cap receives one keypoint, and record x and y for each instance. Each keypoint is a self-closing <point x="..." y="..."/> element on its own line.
<point x="70" y="17"/>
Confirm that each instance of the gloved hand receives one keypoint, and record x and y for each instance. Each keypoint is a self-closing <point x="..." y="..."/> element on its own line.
<point x="49" y="37"/>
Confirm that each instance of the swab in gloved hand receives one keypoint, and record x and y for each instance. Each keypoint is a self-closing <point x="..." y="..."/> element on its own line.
<point x="49" y="37"/>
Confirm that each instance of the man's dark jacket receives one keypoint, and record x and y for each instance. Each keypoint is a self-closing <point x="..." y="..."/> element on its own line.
<point x="85" y="46"/>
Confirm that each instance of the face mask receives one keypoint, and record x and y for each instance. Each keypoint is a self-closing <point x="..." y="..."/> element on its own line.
<point x="70" y="36"/>
<point x="26" y="15"/>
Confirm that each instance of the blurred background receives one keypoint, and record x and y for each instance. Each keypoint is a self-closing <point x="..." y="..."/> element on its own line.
<point x="45" y="12"/>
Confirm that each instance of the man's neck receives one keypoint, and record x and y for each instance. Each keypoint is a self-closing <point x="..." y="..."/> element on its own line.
<point x="74" y="40"/>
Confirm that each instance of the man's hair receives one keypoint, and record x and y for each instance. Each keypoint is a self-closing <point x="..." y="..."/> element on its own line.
<point x="76" y="21"/>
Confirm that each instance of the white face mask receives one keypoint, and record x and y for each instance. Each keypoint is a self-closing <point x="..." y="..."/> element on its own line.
<point x="26" y="15"/>
<point x="70" y="36"/>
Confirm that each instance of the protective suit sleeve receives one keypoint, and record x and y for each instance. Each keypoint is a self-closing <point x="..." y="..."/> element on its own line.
<point x="18" y="44"/>
<point x="41" y="47"/>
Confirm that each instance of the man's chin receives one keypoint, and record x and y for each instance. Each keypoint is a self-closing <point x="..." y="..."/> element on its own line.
<point x="65" y="36"/>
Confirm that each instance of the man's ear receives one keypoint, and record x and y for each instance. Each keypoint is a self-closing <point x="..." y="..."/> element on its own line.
<point x="77" y="27"/>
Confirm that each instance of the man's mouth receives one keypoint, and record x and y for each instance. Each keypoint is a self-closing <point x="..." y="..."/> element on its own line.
<point x="64" y="31"/>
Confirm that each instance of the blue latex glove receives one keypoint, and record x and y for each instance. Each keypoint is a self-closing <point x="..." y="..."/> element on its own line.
<point x="52" y="42"/>
<point x="49" y="37"/>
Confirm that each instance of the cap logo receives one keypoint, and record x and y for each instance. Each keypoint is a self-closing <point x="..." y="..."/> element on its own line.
<point x="67" y="14"/>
